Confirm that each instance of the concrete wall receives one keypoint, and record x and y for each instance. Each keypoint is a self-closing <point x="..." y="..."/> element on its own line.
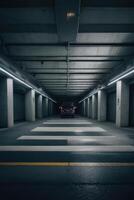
<point x="45" y="107"/>
<point x="131" y="106"/>
<point x="36" y="106"/>
<point x="19" y="107"/>
<point x="50" y="108"/>
<point x="111" y="106"/>
<point x="18" y="103"/>
<point x="90" y="107"/>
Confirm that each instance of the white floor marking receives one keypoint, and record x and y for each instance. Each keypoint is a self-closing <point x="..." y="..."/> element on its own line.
<point x="97" y="148"/>
<point x="68" y="129"/>
<point x="68" y="119"/>
<point x="68" y="164"/>
<point x="68" y="122"/>
<point x="83" y="138"/>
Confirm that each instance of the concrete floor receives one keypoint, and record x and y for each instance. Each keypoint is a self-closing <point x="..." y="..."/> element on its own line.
<point x="67" y="159"/>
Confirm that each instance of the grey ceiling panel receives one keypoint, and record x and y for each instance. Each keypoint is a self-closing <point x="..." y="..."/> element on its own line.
<point x="81" y="37"/>
<point x="105" y="37"/>
<point x="31" y="37"/>
<point x="72" y="76"/>
<point x="27" y="16"/>
<point x="114" y="16"/>
<point x="72" y="65"/>
<point x="64" y="71"/>
<point x="67" y="18"/>
<point x="84" y="3"/>
<point x="74" y="51"/>
<point x="109" y="3"/>
<point x="30" y="32"/>
<point x="26" y="3"/>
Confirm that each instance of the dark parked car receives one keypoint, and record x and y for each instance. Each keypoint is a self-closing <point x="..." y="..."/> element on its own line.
<point x="67" y="109"/>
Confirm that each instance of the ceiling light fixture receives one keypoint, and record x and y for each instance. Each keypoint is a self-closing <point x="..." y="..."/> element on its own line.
<point x="121" y="77"/>
<point x="70" y="14"/>
<point x="14" y="77"/>
<point x="22" y="82"/>
<point x="112" y="82"/>
<point x="89" y="95"/>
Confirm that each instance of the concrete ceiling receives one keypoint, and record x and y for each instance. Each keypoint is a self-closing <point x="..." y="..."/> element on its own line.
<point x="102" y="38"/>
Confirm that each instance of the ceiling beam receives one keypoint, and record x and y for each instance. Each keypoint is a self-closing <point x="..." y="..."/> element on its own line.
<point x="25" y="3"/>
<point x="63" y="85"/>
<point x="70" y="83"/>
<point x="84" y="3"/>
<point x="67" y="19"/>
<point x="106" y="28"/>
<point x="71" y="80"/>
<point x="71" y="73"/>
<point x="91" y="44"/>
<point x="45" y="68"/>
<point x="36" y="57"/>
<point x="28" y="28"/>
<point x="107" y="3"/>
<point x="70" y="60"/>
<point x="51" y="28"/>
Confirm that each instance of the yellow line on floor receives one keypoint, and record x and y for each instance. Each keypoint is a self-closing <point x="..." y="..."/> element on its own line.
<point x="67" y="164"/>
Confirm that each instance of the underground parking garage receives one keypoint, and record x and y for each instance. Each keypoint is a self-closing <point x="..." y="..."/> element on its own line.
<point x="67" y="99"/>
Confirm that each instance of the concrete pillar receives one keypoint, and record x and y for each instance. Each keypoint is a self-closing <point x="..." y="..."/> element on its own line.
<point x="122" y="104"/>
<point x="6" y="103"/>
<point x="102" y="105"/>
<point x="88" y="108"/>
<point x="45" y="107"/>
<point x="50" y="107"/>
<point x="86" y="114"/>
<point x="84" y="108"/>
<point x="30" y="105"/>
<point x="94" y="106"/>
<point x="39" y="106"/>
<point x="47" y="102"/>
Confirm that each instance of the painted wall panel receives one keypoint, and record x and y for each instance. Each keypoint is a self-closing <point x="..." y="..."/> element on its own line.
<point x="131" y="106"/>
<point x="111" y="106"/>
<point x="19" y="107"/>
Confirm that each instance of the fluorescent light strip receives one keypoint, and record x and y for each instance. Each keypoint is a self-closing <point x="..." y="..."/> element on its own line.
<point x="22" y="82"/>
<point x="44" y="95"/>
<point x="121" y="77"/>
<point x="112" y="82"/>
<point x="14" y="77"/>
<point x="89" y="95"/>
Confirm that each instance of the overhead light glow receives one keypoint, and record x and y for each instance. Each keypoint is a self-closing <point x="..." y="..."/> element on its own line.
<point x="111" y="82"/>
<point x="91" y="94"/>
<point x="70" y="14"/>
<point x="14" y="77"/>
<point x="78" y="131"/>
<point x="121" y="77"/>
<point x="22" y="82"/>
